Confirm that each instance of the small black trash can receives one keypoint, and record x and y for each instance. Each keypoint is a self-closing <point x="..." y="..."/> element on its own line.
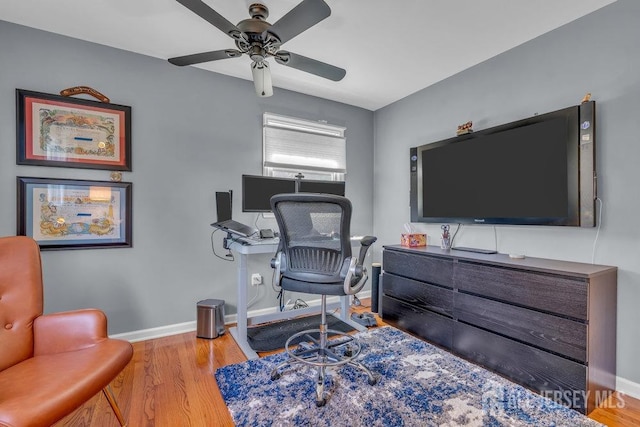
<point x="210" y="320"/>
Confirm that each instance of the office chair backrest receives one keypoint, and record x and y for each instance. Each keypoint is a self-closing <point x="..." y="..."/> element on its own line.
<point x="314" y="235"/>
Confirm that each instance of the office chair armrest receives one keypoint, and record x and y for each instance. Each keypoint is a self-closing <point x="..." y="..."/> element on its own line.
<point x="357" y="271"/>
<point x="276" y="263"/>
<point x="365" y="243"/>
<point x="368" y="240"/>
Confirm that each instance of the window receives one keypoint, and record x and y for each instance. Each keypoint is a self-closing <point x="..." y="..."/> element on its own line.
<point x="294" y="146"/>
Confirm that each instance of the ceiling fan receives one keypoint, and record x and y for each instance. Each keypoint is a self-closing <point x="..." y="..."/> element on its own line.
<point x="260" y="40"/>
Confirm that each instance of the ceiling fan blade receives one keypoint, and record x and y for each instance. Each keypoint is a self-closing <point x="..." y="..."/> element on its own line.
<point x="262" y="78"/>
<point x="197" y="58"/>
<point x="309" y="65"/>
<point x="214" y="18"/>
<point x="302" y="17"/>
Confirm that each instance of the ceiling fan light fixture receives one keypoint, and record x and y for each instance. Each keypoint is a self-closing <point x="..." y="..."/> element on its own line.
<point x="257" y="53"/>
<point x="262" y="78"/>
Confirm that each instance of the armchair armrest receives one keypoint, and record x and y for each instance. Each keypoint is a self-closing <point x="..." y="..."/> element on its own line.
<point x="68" y="331"/>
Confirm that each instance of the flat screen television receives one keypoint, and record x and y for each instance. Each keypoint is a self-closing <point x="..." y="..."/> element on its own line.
<point x="535" y="171"/>
<point x="257" y="191"/>
<point x="325" y="187"/>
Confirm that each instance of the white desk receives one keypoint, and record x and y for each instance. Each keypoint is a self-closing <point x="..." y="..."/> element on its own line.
<point x="239" y="332"/>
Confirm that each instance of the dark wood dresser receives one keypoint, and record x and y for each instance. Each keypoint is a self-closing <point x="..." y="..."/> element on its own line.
<point x="548" y="325"/>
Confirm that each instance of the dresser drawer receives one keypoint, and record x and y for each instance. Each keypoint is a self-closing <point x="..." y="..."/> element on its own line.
<point x="555" y="294"/>
<point x="563" y="336"/>
<point x="425" y="324"/>
<point x="418" y="294"/>
<point x="430" y="269"/>
<point x="525" y="365"/>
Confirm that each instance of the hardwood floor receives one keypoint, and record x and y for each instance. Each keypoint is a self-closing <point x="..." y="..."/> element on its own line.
<point x="618" y="411"/>
<point x="169" y="382"/>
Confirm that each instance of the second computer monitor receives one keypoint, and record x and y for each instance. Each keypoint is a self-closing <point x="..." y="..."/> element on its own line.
<point x="257" y="191"/>
<point x="325" y="187"/>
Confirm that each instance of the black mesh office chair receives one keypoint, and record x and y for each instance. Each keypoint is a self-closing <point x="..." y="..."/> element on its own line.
<point x="314" y="257"/>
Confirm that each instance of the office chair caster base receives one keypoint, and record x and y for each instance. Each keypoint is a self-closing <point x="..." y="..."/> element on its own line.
<point x="310" y="352"/>
<point x="371" y="379"/>
<point x="315" y="355"/>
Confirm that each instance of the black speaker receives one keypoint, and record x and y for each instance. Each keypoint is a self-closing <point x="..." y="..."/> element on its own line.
<point x="376" y="268"/>
<point x="588" y="189"/>
<point x="413" y="189"/>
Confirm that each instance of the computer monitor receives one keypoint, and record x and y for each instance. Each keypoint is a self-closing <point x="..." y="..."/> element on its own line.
<point x="257" y="191"/>
<point x="223" y="205"/>
<point x="326" y="187"/>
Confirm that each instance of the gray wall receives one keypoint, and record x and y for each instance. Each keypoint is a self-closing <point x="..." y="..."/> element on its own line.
<point x="194" y="133"/>
<point x="600" y="54"/>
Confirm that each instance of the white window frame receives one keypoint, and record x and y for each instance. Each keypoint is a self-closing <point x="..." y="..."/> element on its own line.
<point x="288" y="141"/>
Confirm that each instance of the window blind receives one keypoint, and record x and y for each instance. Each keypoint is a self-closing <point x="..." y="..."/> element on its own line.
<point x="296" y="143"/>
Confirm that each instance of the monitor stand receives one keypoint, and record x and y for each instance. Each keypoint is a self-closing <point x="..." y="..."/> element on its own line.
<point x="476" y="250"/>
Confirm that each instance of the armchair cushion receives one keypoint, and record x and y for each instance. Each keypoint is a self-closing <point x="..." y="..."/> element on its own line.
<point x="42" y="389"/>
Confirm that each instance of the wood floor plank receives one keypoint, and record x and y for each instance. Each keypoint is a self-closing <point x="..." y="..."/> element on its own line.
<point x="169" y="382"/>
<point x="618" y="411"/>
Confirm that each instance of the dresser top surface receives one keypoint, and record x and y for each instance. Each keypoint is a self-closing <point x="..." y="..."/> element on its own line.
<point x="528" y="263"/>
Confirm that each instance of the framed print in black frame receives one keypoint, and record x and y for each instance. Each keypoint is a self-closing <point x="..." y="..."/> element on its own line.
<point x="54" y="130"/>
<point x="74" y="214"/>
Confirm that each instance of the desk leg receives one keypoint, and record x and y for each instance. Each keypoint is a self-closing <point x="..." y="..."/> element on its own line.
<point x="344" y="307"/>
<point x="242" y="296"/>
<point x="239" y="333"/>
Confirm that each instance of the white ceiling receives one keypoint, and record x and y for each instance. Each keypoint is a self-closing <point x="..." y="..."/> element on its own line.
<point x="390" y="49"/>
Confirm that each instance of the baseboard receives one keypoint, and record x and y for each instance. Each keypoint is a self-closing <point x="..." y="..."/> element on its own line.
<point x="159" y="332"/>
<point x="628" y="388"/>
<point x="180" y="328"/>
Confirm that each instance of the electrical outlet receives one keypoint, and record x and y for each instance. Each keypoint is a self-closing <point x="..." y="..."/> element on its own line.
<point x="256" y="279"/>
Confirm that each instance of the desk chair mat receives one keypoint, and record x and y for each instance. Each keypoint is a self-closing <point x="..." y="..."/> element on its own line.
<point x="273" y="336"/>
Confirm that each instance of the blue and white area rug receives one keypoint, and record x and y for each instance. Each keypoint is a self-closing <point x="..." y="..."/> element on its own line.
<point x="419" y="385"/>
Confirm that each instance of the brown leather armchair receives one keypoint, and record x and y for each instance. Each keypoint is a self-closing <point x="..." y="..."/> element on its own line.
<point x="49" y="364"/>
